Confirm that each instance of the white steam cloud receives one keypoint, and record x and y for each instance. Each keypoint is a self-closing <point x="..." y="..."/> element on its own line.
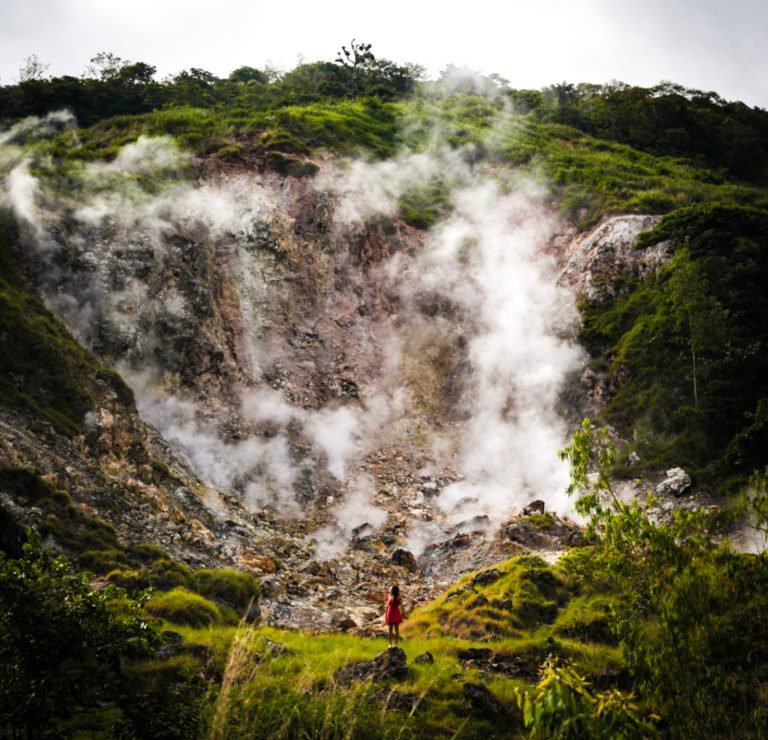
<point x="37" y="128"/>
<point x="487" y="257"/>
<point x="355" y="513"/>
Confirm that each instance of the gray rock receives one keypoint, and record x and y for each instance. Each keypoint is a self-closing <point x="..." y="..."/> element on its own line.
<point x="405" y="559"/>
<point x="271" y="587"/>
<point x="474" y="524"/>
<point x="424" y="658"/>
<point x="677" y="483"/>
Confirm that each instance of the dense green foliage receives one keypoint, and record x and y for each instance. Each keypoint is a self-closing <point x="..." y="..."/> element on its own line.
<point x="61" y="642"/>
<point x="690" y="345"/>
<point x="691" y="614"/>
<point x="564" y="705"/>
<point x="114" y="87"/>
<point x="666" y="119"/>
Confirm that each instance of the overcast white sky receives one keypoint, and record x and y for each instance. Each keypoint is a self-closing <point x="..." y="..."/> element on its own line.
<point x="708" y="44"/>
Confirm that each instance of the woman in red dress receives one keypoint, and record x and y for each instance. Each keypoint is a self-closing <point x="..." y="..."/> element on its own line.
<point x="394" y="615"/>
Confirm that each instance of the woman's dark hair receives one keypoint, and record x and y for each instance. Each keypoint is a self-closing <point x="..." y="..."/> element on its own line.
<point x="395" y="591"/>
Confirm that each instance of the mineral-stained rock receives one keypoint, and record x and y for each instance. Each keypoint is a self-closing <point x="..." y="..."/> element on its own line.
<point x="391" y="664"/>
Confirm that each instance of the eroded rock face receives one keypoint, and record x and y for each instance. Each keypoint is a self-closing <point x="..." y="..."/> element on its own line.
<point x="601" y="263"/>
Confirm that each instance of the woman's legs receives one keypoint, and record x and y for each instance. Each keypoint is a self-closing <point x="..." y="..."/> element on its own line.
<point x="390" y="633"/>
<point x="397" y="633"/>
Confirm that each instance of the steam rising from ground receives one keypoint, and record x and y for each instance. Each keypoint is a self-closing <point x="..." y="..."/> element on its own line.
<point x="484" y="259"/>
<point x="487" y="258"/>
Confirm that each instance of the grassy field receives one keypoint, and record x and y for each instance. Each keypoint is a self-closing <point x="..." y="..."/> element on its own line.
<point x="278" y="683"/>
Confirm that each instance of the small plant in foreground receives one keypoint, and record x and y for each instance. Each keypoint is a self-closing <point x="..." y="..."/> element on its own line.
<point x="563" y="706"/>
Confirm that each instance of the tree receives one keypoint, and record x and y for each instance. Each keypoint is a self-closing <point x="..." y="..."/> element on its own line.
<point x="357" y="59"/>
<point x="104" y="66"/>
<point x="689" y="614"/>
<point x="359" y="56"/>
<point x="61" y="642"/>
<point x="33" y="69"/>
<point x="248" y="74"/>
<point x="696" y="312"/>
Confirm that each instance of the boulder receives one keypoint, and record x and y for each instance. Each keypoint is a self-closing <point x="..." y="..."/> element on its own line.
<point x="405" y="559"/>
<point x="344" y="622"/>
<point x="475" y="524"/>
<point x="424" y="658"/>
<point x="394" y="699"/>
<point x="516" y="666"/>
<point x="391" y="664"/>
<point x="535" y="507"/>
<point x="676" y="483"/>
<point x="485" y="578"/>
<point x="475" y="655"/>
<point x="363" y="530"/>
<point x="526" y="534"/>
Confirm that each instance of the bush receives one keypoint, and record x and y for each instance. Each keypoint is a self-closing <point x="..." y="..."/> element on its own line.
<point x="231" y="587"/>
<point x="184" y="607"/>
<point x="61" y="643"/>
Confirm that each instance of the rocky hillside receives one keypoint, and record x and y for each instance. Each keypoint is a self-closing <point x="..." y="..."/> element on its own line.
<point x="342" y="366"/>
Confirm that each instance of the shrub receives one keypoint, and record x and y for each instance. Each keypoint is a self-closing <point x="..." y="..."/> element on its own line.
<point x="61" y="642"/>
<point x="231" y="587"/>
<point x="184" y="607"/>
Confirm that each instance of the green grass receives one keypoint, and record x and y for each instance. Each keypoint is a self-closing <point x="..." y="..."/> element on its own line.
<point x="591" y="177"/>
<point x="349" y="127"/>
<point x="291" y="691"/>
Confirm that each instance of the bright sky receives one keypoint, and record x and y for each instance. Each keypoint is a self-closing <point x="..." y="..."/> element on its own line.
<point x="707" y="44"/>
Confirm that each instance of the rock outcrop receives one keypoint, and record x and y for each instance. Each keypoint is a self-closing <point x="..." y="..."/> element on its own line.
<point x="389" y="665"/>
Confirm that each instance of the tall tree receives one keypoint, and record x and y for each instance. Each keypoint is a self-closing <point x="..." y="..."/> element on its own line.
<point x="697" y="313"/>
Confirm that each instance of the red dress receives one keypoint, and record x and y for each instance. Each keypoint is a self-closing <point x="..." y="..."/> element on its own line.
<point x="393" y="615"/>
